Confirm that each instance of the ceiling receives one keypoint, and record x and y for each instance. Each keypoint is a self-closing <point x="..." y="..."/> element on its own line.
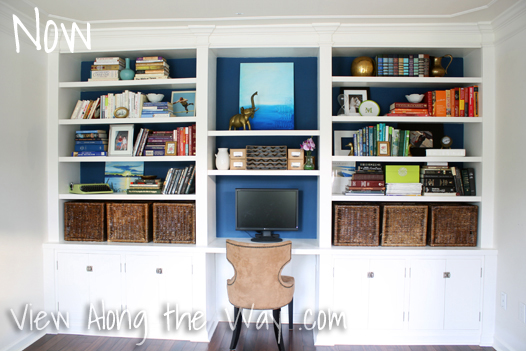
<point x="120" y="13"/>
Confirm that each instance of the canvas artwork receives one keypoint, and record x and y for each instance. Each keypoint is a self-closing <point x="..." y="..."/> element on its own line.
<point x="274" y="101"/>
<point x="119" y="175"/>
<point x="183" y="103"/>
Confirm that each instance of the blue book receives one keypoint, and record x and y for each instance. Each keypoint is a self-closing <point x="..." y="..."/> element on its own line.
<point x="91" y="147"/>
<point x="91" y="142"/>
<point x="89" y="153"/>
<point x="91" y="131"/>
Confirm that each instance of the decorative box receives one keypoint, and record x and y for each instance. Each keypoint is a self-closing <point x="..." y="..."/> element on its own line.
<point x="174" y="222"/>
<point x="238" y="153"/>
<point x="404" y="225"/>
<point x="402" y="174"/>
<point x="84" y="221"/>
<point x="453" y="225"/>
<point x="129" y="222"/>
<point x="295" y="164"/>
<point x="238" y="164"/>
<point x="356" y="225"/>
<point x="295" y="154"/>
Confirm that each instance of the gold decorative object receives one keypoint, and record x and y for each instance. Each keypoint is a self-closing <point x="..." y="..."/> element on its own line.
<point x="362" y="66"/>
<point x="121" y="112"/>
<point x="437" y="70"/>
<point x="242" y="119"/>
<point x="351" y="145"/>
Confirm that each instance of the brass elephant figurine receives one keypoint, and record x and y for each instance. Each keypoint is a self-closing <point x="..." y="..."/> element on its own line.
<point x="242" y="119"/>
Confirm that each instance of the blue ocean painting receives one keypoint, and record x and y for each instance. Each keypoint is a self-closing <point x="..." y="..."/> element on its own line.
<point x="119" y="175"/>
<point x="274" y="84"/>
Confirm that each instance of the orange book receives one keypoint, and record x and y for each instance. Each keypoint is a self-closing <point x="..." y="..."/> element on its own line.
<point x="448" y="103"/>
<point x="440" y="103"/>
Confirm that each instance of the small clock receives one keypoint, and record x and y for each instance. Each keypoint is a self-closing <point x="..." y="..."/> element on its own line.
<point x="121" y="112"/>
<point x="446" y="142"/>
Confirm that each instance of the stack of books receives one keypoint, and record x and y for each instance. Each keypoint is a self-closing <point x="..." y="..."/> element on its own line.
<point x="132" y="101"/>
<point x="157" y="109"/>
<point x="151" y="67"/>
<point x="152" y="143"/>
<point x="145" y="186"/>
<point x="367" y="180"/>
<point x="441" y="180"/>
<point x="86" y="109"/>
<point x="404" y="189"/>
<point x="413" y="65"/>
<point x="408" y="109"/>
<point x="90" y="143"/>
<point x="106" y="68"/>
<point x="180" y="181"/>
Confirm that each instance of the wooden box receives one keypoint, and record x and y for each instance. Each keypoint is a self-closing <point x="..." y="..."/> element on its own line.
<point x="238" y="164"/>
<point x="174" y="222"/>
<point x="404" y="225"/>
<point x="84" y="221"/>
<point x="295" y="164"/>
<point x="295" y="154"/>
<point x="238" y="153"/>
<point x="129" y="222"/>
<point x="453" y="225"/>
<point x="356" y="225"/>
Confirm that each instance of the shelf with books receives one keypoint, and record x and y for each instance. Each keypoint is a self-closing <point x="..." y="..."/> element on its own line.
<point x="214" y="172"/>
<point x="127" y="197"/>
<point x="173" y="83"/>
<point x="382" y="198"/>
<point x="127" y="159"/>
<point x="402" y="119"/>
<point x="421" y="82"/>
<point x="237" y="133"/>
<point x="404" y="159"/>
<point x="127" y="120"/>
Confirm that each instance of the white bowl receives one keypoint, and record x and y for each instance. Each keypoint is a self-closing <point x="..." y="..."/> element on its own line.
<point x="414" y="98"/>
<point x="155" y="97"/>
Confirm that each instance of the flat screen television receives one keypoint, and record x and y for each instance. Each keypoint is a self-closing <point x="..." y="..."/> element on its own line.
<point x="266" y="210"/>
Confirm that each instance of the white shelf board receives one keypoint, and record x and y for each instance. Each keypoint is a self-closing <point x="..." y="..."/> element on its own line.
<point x="263" y="132"/>
<point x="69" y="122"/>
<point x="127" y="159"/>
<point x="409" y="159"/>
<point x="380" y="198"/>
<point x="120" y="196"/>
<point x="299" y="246"/>
<point x="378" y="119"/>
<point x="403" y="81"/>
<point x="263" y="173"/>
<point x="175" y="83"/>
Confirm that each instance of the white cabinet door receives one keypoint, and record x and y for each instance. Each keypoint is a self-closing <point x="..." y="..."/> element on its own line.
<point x="105" y="281"/>
<point x="177" y="283"/>
<point x="462" y="304"/>
<point x="351" y="291"/>
<point x="386" y="294"/>
<point x="73" y="286"/>
<point x="426" y="294"/>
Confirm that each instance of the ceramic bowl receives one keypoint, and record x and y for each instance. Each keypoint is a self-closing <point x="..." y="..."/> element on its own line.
<point x="414" y="98"/>
<point x="155" y="97"/>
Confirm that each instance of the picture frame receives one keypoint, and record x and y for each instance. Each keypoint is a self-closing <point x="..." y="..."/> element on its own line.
<point x="353" y="97"/>
<point x="384" y="148"/>
<point x="338" y="136"/>
<point x="170" y="148"/>
<point x="120" y="141"/>
<point x="183" y="103"/>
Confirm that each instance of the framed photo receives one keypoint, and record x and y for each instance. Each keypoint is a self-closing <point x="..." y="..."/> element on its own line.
<point x="342" y="137"/>
<point x="183" y="102"/>
<point x="384" y="148"/>
<point x="353" y="98"/>
<point x="120" y="141"/>
<point x="170" y="148"/>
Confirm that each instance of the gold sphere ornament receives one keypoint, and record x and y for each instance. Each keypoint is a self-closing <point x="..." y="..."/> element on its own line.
<point x="362" y="66"/>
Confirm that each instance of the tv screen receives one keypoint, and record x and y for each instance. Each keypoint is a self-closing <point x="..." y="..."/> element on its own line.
<point x="266" y="209"/>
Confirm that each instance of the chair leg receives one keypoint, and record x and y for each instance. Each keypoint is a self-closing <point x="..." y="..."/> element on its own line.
<point x="235" y="335"/>
<point x="291" y="310"/>
<point x="277" y="328"/>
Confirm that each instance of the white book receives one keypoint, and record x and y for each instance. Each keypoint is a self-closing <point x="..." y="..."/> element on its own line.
<point x="446" y="152"/>
<point x="76" y="110"/>
<point x="105" y="74"/>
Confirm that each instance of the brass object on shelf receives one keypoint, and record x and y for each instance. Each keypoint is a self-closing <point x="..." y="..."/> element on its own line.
<point x="437" y="70"/>
<point x="362" y="66"/>
<point x="242" y="119"/>
<point x="121" y="112"/>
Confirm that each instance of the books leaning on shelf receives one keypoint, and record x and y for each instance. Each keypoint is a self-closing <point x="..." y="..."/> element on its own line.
<point x="86" y="109"/>
<point x="366" y="140"/>
<point x="90" y="143"/>
<point x="151" y="67"/>
<point x="179" y="181"/>
<point x="152" y="143"/>
<point x="367" y="180"/>
<point x="106" y="69"/>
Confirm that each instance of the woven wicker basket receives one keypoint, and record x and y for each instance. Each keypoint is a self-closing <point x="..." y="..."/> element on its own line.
<point x="404" y="225"/>
<point x="174" y="223"/>
<point x="84" y="221"/>
<point x="129" y="222"/>
<point x="453" y="225"/>
<point x="356" y="225"/>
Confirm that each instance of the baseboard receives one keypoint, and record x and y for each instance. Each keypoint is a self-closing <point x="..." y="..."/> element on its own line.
<point x="501" y="345"/>
<point x="24" y="342"/>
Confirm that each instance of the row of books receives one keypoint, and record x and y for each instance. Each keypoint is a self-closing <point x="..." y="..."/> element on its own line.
<point x="365" y="140"/>
<point x="106" y="69"/>
<point x="86" y="109"/>
<point x="179" y="181"/>
<point x="151" y="67"/>
<point x="413" y="65"/>
<point x="90" y="142"/>
<point x="448" y="181"/>
<point x="153" y="143"/>
<point x="145" y="186"/>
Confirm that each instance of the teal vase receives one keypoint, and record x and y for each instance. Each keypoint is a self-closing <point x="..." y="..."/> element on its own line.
<point x="127" y="73"/>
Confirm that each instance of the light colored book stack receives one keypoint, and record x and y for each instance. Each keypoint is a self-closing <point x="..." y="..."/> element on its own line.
<point x="151" y="67"/>
<point x="106" y="69"/>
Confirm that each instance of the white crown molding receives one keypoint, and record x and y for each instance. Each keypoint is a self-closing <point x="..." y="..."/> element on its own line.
<point x="510" y="23"/>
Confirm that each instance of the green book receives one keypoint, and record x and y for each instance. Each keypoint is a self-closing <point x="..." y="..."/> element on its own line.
<point x="406" y="143"/>
<point x="401" y="143"/>
<point x="396" y="142"/>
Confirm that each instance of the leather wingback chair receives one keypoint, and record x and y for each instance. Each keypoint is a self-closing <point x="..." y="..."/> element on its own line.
<point x="257" y="282"/>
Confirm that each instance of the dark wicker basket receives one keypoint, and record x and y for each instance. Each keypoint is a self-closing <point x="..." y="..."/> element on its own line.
<point x="174" y="223"/>
<point x="356" y="225"/>
<point x="129" y="222"/>
<point x="404" y="225"/>
<point x="84" y="221"/>
<point x="453" y="225"/>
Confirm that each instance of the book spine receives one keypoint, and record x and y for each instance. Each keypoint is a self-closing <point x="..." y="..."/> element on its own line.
<point x="461" y="102"/>
<point x="438" y="182"/>
<point x="448" y="189"/>
<point x="79" y="148"/>
<point x="448" y="103"/>
<point x="465" y="182"/>
<point x="106" y="67"/>
<point x="367" y="183"/>
<point x="143" y="191"/>
<point x="364" y="176"/>
<point x="471" y="110"/>
<point x="89" y="153"/>
<point x="471" y="176"/>
<point x="91" y="136"/>
<point x="104" y="74"/>
<point x="152" y="71"/>
<point x="475" y="101"/>
<point x="153" y="153"/>
<point x="411" y="105"/>
<point x="429" y="100"/>
<point x="90" y="141"/>
<point x="457" y="101"/>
